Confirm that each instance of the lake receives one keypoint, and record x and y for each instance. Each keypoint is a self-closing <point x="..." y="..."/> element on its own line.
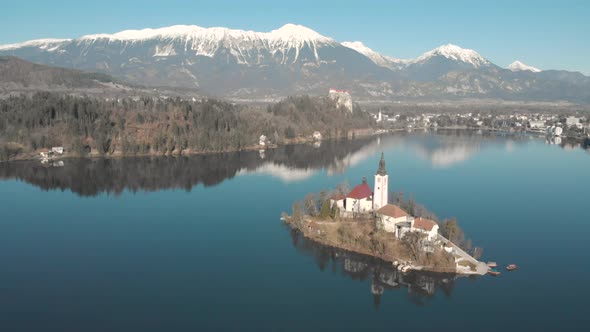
<point x="195" y="243"/>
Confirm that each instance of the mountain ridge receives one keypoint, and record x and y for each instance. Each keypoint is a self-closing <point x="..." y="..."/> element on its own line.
<point x="292" y="59"/>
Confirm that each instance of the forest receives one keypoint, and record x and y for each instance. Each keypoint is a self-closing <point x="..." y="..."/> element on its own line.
<point x="159" y="126"/>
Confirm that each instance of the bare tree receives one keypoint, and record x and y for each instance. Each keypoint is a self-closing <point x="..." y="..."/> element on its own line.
<point x="310" y="205"/>
<point x="343" y="188"/>
<point x="413" y="242"/>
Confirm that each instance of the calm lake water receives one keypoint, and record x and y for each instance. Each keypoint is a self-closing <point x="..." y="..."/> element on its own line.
<point x="195" y="243"/>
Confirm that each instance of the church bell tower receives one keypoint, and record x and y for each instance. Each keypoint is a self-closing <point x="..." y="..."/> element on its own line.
<point x="381" y="186"/>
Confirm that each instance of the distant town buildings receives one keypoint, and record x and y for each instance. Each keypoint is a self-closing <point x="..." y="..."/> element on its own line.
<point x="572" y="121"/>
<point x="565" y="125"/>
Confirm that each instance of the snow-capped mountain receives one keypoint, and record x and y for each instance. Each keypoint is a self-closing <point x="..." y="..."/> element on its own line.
<point x="519" y="66"/>
<point x="286" y="44"/>
<point x="292" y="59"/>
<point x="217" y="60"/>
<point x="454" y="53"/>
<point x="443" y="60"/>
<point x="45" y="44"/>
<point x="377" y="58"/>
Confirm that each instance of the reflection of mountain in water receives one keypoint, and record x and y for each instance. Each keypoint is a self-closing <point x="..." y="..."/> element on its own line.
<point x="89" y="177"/>
<point x="419" y="286"/>
<point x="448" y="147"/>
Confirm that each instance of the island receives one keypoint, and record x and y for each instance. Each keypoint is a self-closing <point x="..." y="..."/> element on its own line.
<point x="397" y="230"/>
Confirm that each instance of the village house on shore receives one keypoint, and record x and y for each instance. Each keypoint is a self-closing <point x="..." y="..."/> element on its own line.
<point x="47" y="154"/>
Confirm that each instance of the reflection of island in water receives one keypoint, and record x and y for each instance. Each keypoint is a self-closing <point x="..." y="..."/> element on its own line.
<point x="89" y="177"/>
<point x="419" y="286"/>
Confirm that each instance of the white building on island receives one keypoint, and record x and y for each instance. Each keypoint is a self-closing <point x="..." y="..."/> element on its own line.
<point x="380" y="196"/>
<point x="338" y="201"/>
<point x="391" y="218"/>
<point x="359" y="199"/>
<point x="426" y="226"/>
<point x="388" y="217"/>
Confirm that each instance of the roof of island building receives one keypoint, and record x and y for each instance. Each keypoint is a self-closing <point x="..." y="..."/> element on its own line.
<point x="382" y="171"/>
<point x="425" y="224"/>
<point x="391" y="210"/>
<point x="361" y="191"/>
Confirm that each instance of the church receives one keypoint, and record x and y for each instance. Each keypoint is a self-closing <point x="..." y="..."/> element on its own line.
<point x="362" y="199"/>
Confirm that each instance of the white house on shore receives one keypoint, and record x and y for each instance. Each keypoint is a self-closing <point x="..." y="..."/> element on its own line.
<point x="539" y="124"/>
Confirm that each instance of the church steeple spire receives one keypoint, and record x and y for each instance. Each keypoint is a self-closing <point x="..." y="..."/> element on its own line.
<point x="381" y="171"/>
<point x="380" y="198"/>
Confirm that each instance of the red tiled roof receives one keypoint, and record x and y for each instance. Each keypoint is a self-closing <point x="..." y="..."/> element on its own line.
<point x="361" y="191"/>
<point x="425" y="224"/>
<point x="391" y="210"/>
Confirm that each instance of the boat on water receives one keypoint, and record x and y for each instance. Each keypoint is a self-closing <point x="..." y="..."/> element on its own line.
<point x="494" y="272"/>
<point x="492" y="264"/>
<point x="511" y="267"/>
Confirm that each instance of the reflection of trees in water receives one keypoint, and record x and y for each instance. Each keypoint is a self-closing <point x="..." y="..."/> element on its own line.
<point x="420" y="286"/>
<point x="89" y="177"/>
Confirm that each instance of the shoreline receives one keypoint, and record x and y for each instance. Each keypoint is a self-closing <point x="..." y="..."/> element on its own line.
<point x="356" y="133"/>
<point x="390" y="259"/>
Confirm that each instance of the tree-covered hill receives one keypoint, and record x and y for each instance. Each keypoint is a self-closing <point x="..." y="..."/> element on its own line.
<point x="150" y="126"/>
<point x="17" y="73"/>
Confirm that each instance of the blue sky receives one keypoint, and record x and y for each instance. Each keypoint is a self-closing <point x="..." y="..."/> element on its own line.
<point x="544" y="34"/>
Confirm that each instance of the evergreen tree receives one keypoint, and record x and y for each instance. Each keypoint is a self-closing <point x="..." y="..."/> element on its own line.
<point x="325" y="210"/>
